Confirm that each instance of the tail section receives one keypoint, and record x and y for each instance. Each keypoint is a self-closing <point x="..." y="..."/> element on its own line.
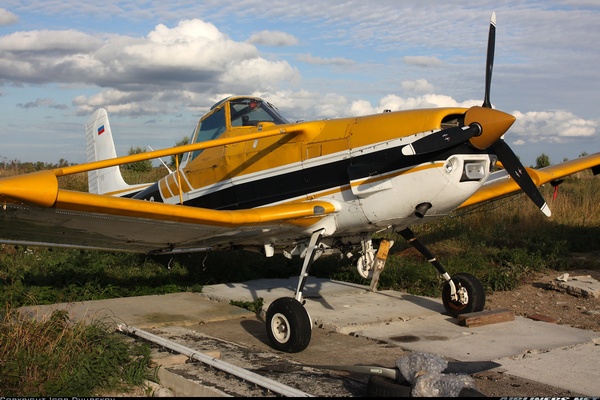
<point x="100" y="146"/>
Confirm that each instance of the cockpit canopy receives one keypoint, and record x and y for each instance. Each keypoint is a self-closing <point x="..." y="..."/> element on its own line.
<point x="234" y="112"/>
<point x="250" y="111"/>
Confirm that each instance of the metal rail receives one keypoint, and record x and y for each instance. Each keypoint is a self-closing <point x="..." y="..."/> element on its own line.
<point x="242" y="373"/>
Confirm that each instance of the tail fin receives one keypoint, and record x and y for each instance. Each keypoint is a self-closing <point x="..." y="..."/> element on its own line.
<point x="100" y="146"/>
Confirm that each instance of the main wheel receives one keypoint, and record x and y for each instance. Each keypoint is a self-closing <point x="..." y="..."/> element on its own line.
<point x="471" y="295"/>
<point x="288" y="325"/>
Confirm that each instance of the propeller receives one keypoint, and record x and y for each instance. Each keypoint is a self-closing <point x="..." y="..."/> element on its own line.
<point x="507" y="157"/>
<point x="484" y="128"/>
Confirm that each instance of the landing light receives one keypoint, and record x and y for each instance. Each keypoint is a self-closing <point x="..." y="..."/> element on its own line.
<point x="475" y="171"/>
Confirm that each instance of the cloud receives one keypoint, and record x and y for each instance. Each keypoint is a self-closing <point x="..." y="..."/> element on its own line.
<point x="417" y="86"/>
<point x="395" y="103"/>
<point x="551" y="127"/>
<point x="422" y="61"/>
<point x="42" y="103"/>
<point x="192" y="57"/>
<point x="273" y="38"/>
<point x="310" y="59"/>
<point x="7" y="18"/>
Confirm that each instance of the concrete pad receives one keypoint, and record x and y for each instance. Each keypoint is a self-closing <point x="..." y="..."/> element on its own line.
<point x="553" y="354"/>
<point x="583" y="285"/>
<point x="146" y="311"/>
<point x="339" y="306"/>
<point x="531" y="349"/>
<point x="575" y="367"/>
<point x="271" y="289"/>
<point x="441" y="334"/>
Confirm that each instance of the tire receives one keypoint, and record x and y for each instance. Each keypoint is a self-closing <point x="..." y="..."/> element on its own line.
<point x="288" y="325"/>
<point x="378" y="386"/>
<point x="475" y="291"/>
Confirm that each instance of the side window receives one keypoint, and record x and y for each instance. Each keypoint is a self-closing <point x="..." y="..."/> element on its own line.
<point x="210" y="128"/>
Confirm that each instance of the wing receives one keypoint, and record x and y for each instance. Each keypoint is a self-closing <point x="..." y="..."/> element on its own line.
<point x="501" y="184"/>
<point x="93" y="221"/>
<point x="35" y="211"/>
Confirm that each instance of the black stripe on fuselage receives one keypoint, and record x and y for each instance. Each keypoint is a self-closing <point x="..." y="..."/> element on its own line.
<point x="309" y="180"/>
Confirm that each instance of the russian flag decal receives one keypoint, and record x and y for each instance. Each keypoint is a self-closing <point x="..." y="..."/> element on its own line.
<point x="101" y="130"/>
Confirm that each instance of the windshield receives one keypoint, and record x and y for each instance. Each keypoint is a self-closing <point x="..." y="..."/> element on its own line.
<point x="249" y="112"/>
<point x="209" y="128"/>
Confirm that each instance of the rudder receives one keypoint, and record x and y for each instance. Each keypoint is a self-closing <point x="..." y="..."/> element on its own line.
<point x="100" y="146"/>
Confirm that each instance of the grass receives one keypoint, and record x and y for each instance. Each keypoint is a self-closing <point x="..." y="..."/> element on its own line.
<point x="501" y="243"/>
<point x="55" y="357"/>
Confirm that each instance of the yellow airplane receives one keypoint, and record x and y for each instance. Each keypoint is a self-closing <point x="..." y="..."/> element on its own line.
<point x="252" y="180"/>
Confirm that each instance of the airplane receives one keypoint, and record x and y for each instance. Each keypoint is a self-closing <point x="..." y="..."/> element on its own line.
<point x="250" y="179"/>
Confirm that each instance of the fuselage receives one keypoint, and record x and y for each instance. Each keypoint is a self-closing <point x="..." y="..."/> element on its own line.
<point x="356" y="162"/>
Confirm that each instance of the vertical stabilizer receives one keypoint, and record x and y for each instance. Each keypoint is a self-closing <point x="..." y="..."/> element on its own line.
<point x="100" y="146"/>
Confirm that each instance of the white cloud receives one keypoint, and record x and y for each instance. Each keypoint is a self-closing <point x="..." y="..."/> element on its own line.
<point x="7" y="18"/>
<point x="310" y="59"/>
<point x="192" y="57"/>
<point x="551" y="126"/>
<point x="417" y="86"/>
<point x="422" y="61"/>
<point x="273" y="38"/>
<point x="361" y="107"/>
<point x="42" y="103"/>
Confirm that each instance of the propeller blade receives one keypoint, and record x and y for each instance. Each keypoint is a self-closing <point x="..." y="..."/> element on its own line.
<point x="518" y="172"/>
<point x="442" y="140"/>
<point x="490" y="61"/>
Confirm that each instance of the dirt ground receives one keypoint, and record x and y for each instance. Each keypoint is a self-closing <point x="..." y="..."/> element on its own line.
<point x="537" y="297"/>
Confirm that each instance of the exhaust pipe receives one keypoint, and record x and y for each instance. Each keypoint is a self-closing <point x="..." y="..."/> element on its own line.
<point x="421" y="209"/>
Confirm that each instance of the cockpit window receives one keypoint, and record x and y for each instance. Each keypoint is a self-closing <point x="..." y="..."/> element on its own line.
<point x="210" y="128"/>
<point x="249" y="112"/>
<point x="243" y="112"/>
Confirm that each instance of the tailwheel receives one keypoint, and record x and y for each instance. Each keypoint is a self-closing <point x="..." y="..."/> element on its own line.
<point x="288" y="325"/>
<point x="470" y="295"/>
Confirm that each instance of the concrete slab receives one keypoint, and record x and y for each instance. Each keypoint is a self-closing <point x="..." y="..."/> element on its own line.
<point x="339" y="306"/>
<point x="440" y="334"/>
<point x="583" y="285"/>
<point x="574" y="368"/>
<point x="418" y="323"/>
<point x="146" y="311"/>
<point x="554" y="354"/>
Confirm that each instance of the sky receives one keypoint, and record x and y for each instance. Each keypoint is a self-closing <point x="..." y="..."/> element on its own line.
<point x="157" y="67"/>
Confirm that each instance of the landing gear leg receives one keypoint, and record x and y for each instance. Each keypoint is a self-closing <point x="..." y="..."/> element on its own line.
<point x="462" y="293"/>
<point x="380" y="259"/>
<point x="288" y="323"/>
<point x="371" y="262"/>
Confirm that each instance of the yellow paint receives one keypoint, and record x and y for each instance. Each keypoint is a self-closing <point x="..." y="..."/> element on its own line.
<point x="539" y="176"/>
<point x="496" y="125"/>
<point x="38" y="188"/>
<point x="94" y="203"/>
<point x="325" y="137"/>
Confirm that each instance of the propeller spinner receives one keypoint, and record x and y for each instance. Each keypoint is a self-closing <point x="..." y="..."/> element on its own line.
<point x="484" y="128"/>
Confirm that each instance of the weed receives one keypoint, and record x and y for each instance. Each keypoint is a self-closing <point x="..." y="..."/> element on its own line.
<point x="254" y="306"/>
<point x="55" y="357"/>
